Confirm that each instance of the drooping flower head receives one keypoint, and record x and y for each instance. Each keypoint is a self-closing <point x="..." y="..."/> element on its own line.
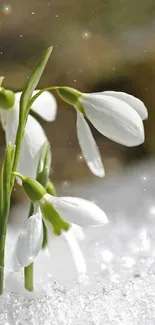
<point x="116" y="115"/>
<point x="34" y="137"/>
<point x="59" y="214"/>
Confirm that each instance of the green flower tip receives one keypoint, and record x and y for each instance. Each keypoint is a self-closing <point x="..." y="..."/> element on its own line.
<point x="69" y="95"/>
<point x="53" y="217"/>
<point x="59" y="227"/>
<point x="7" y="97"/>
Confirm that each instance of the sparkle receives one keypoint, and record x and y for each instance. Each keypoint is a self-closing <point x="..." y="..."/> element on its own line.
<point x="144" y="177"/>
<point x="65" y="185"/>
<point x="86" y="35"/>
<point x="79" y="157"/>
<point x="6" y="9"/>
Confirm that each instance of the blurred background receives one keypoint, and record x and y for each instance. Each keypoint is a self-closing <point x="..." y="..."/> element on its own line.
<point x="98" y="45"/>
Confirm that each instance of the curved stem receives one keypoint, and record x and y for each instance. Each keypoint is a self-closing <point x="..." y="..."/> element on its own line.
<point x="40" y="92"/>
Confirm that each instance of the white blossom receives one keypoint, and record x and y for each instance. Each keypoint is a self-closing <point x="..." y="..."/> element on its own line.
<point x="116" y="115"/>
<point x="76" y="211"/>
<point x="34" y="137"/>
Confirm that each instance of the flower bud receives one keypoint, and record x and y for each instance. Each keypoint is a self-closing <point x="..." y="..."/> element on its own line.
<point x="7" y="98"/>
<point x="69" y="95"/>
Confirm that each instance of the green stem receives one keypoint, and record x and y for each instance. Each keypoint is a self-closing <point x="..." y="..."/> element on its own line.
<point x="4" y="213"/>
<point x="42" y="177"/>
<point x="2" y="251"/>
<point x="1" y="279"/>
<point x="28" y="271"/>
<point x="33" y="98"/>
<point x="45" y="236"/>
<point x="8" y="182"/>
<point x="28" y="277"/>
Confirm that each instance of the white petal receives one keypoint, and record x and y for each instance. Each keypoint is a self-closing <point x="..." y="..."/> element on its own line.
<point x="79" y="211"/>
<point x="78" y="232"/>
<point x="76" y="252"/>
<point x="114" y="118"/>
<point x="45" y="105"/>
<point x="3" y="118"/>
<point x="88" y="146"/>
<point x="134" y="102"/>
<point x="30" y="240"/>
<point x="33" y="140"/>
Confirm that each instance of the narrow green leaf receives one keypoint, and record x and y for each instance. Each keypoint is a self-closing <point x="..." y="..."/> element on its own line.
<point x="25" y="106"/>
<point x="44" y="164"/>
<point x="33" y="82"/>
<point x="5" y="188"/>
<point x="51" y="188"/>
<point x="5" y="183"/>
<point x="1" y="192"/>
<point x="7" y="170"/>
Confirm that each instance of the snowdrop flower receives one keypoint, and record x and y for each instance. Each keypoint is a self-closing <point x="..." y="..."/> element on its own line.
<point x="116" y="115"/>
<point x="45" y="106"/>
<point x="53" y="211"/>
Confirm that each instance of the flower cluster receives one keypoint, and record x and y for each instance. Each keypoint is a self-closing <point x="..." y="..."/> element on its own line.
<point x="116" y="115"/>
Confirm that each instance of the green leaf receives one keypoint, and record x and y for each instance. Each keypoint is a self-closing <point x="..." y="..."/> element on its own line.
<point x="51" y="188"/>
<point x="1" y="192"/>
<point x="33" y="82"/>
<point x="5" y="185"/>
<point x="44" y="165"/>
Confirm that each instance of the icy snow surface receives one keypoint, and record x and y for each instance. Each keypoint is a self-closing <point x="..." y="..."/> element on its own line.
<point x="119" y="288"/>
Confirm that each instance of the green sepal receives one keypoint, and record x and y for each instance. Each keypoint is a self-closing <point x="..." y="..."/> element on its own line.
<point x="51" y="215"/>
<point x="7" y="98"/>
<point x="69" y="95"/>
